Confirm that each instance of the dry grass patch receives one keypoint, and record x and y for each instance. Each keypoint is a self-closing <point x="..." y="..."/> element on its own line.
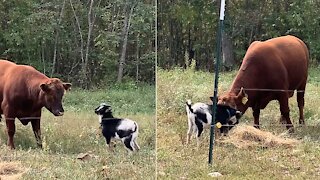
<point x="11" y="170"/>
<point x="244" y="136"/>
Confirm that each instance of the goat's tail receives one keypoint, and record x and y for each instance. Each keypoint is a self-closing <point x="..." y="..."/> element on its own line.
<point x="188" y="106"/>
<point x="135" y="127"/>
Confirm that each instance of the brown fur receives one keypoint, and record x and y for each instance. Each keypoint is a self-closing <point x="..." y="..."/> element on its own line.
<point x="278" y="64"/>
<point x="23" y="93"/>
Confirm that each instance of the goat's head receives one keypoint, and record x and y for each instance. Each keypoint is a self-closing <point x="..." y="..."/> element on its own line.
<point x="103" y="109"/>
<point x="227" y="117"/>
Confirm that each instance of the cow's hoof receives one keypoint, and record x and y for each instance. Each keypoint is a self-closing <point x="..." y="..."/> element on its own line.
<point x="301" y="122"/>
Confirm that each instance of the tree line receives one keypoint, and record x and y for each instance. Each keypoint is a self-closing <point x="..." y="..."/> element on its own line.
<point x="187" y="29"/>
<point x="86" y="42"/>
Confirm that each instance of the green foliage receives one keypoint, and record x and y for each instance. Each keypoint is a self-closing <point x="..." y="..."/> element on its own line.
<point x="125" y="98"/>
<point x="32" y="31"/>
<point x="193" y="24"/>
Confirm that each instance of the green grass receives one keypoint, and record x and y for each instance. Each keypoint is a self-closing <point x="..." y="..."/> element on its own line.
<point x="78" y="132"/>
<point x="176" y="160"/>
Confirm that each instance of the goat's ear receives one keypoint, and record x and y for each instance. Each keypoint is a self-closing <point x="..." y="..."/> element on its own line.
<point x="212" y="99"/>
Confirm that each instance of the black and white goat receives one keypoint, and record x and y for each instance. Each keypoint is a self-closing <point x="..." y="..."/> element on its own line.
<point x="125" y="130"/>
<point x="200" y="117"/>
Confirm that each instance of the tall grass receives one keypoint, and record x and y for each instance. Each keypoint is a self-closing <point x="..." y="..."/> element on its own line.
<point x="176" y="160"/>
<point x="78" y="132"/>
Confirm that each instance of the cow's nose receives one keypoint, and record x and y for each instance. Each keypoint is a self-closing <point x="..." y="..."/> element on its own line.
<point x="58" y="113"/>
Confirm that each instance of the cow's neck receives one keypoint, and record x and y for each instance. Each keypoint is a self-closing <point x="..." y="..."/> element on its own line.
<point x="243" y="81"/>
<point x="35" y="92"/>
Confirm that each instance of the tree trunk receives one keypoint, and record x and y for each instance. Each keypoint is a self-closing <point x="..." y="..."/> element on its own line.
<point x="125" y="42"/>
<point x="137" y="59"/>
<point x="54" y="61"/>
<point x="85" y="64"/>
<point x="227" y="52"/>
<point x="82" y="79"/>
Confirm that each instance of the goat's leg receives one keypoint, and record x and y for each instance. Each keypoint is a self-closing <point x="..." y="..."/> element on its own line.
<point x="108" y="140"/>
<point x="200" y="129"/>
<point x="127" y="143"/>
<point x="135" y="144"/>
<point x="190" y="129"/>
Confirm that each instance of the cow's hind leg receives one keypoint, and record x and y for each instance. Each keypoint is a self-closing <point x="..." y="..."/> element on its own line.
<point x="36" y="130"/>
<point x="285" y="111"/>
<point x="300" y="101"/>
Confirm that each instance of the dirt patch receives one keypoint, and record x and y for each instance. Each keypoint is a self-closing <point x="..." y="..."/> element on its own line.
<point x="244" y="136"/>
<point x="11" y="170"/>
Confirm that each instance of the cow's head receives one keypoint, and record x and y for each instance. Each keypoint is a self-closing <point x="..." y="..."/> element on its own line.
<point x="236" y="101"/>
<point x="53" y="91"/>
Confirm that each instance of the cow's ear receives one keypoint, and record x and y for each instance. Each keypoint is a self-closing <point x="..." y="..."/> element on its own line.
<point x="67" y="86"/>
<point x="243" y="96"/>
<point x="45" y="87"/>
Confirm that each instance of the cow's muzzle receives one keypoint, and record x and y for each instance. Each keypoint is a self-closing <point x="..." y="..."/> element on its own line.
<point x="58" y="113"/>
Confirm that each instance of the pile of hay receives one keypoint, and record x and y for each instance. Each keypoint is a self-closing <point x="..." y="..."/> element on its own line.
<point x="244" y="136"/>
<point x="11" y="170"/>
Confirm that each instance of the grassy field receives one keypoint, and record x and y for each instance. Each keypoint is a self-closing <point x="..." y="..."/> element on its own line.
<point x="176" y="160"/>
<point x="64" y="138"/>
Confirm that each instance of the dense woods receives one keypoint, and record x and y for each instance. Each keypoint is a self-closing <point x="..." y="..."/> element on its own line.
<point x="87" y="42"/>
<point x="187" y="29"/>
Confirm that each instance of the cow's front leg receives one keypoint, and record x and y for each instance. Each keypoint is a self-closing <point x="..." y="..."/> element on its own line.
<point x="285" y="112"/>
<point x="256" y="115"/>
<point x="36" y="130"/>
<point x="11" y="129"/>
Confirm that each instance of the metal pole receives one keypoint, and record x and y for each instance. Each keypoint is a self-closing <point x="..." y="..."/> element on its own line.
<point x="215" y="94"/>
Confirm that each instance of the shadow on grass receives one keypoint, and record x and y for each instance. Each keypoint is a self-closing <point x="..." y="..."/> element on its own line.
<point x="309" y="132"/>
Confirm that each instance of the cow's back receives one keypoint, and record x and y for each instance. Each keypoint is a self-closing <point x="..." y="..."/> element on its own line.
<point x="5" y="68"/>
<point x="279" y="63"/>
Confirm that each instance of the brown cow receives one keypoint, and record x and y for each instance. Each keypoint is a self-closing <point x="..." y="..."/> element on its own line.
<point x="270" y="70"/>
<point x="23" y="93"/>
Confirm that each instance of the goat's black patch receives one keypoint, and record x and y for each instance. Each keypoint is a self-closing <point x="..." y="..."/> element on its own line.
<point x="201" y="116"/>
<point x="127" y="142"/>
<point x="224" y="114"/>
<point x="123" y="133"/>
<point x="109" y="128"/>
